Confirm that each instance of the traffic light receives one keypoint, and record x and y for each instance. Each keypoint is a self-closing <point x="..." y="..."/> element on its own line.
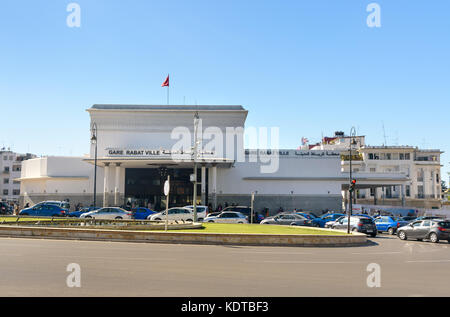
<point x="352" y="185"/>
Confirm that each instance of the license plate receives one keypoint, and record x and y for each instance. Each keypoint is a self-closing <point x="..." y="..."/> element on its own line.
<point x="369" y="230"/>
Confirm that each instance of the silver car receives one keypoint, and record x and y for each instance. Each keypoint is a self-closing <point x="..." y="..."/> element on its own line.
<point x="108" y="213"/>
<point x="286" y="219"/>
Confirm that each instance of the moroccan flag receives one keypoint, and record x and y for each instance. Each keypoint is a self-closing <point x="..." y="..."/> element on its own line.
<point x="166" y="82"/>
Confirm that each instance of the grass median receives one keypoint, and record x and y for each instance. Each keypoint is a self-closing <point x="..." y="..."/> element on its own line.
<point x="259" y="229"/>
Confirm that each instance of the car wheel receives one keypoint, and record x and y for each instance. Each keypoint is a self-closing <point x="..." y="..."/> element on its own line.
<point x="402" y="235"/>
<point x="240" y="222"/>
<point x="434" y="238"/>
<point x="294" y="224"/>
<point x="88" y="217"/>
<point x="158" y="219"/>
<point x="354" y="230"/>
<point x="118" y="218"/>
<point x="189" y="220"/>
<point x="391" y="231"/>
<point x="24" y="214"/>
<point x="211" y="221"/>
<point x="373" y="235"/>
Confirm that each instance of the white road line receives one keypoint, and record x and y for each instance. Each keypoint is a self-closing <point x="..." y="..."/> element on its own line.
<point x="377" y="253"/>
<point x="308" y="262"/>
<point x="428" y="261"/>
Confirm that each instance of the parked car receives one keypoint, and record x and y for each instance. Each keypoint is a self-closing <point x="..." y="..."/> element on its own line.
<point x="289" y="219"/>
<point x="306" y="215"/>
<point x="175" y="213"/>
<point x="42" y="209"/>
<point x="322" y="220"/>
<point x="389" y="224"/>
<point x="201" y="211"/>
<point x="429" y="218"/>
<point x="108" y="213"/>
<point x="227" y="217"/>
<point x="431" y="229"/>
<point x="142" y="212"/>
<point x="408" y="218"/>
<point x="63" y="204"/>
<point x="357" y="223"/>
<point x="78" y="213"/>
<point x="330" y="223"/>
<point x="257" y="217"/>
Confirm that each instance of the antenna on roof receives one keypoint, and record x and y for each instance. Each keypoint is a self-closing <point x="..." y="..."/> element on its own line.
<point x="384" y="135"/>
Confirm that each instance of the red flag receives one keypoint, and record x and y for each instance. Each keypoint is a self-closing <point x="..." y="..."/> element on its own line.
<point x="166" y="82"/>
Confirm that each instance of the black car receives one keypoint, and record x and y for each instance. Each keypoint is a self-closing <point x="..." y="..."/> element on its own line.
<point x="433" y="230"/>
<point x="357" y="224"/>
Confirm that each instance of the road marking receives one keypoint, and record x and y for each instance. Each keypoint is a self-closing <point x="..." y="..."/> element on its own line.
<point x="369" y="253"/>
<point x="270" y="252"/>
<point x="428" y="261"/>
<point x="308" y="262"/>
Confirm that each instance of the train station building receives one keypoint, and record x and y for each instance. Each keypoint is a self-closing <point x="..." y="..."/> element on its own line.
<point x="136" y="147"/>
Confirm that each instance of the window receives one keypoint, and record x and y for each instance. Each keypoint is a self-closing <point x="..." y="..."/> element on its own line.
<point x="408" y="190"/>
<point x="5" y="192"/>
<point x="16" y="192"/>
<point x="426" y="223"/>
<point x="6" y="169"/>
<point x="407" y="156"/>
<point x="372" y="192"/>
<point x="6" y="181"/>
<point x="417" y="224"/>
<point x="388" y="156"/>
<point x="373" y="169"/>
<point x="370" y="156"/>
<point x="16" y="168"/>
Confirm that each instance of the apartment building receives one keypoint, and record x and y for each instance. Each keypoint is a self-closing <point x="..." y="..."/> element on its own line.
<point x="421" y="169"/>
<point x="10" y="171"/>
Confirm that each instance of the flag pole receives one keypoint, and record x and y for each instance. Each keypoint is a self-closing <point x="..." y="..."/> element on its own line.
<point x="168" y="90"/>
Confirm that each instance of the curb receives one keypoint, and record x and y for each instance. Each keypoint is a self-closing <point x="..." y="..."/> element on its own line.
<point x="251" y="239"/>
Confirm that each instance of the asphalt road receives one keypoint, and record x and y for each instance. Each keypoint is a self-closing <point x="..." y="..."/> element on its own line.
<point x="36" y="267"/>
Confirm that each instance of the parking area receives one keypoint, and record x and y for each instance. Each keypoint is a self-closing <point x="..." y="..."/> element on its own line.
<point x="407" y="268"/>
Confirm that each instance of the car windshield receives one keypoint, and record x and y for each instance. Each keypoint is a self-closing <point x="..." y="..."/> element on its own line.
<point x="444" y="224"/>
<point x="366" y="220"/>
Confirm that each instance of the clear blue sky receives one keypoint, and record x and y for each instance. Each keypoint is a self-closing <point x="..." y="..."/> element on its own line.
<point x="309" y="67"/>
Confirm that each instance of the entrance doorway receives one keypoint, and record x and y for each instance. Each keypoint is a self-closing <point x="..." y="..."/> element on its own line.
<point x="144" y="187"/>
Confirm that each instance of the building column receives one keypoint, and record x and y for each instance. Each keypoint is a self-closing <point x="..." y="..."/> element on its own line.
<point x="117" y="186"/>
<point x="375" y="193"/>
<point x="403" y="193"/>
<point x="203" y="185"/>
<point x="105" y="185"/>
<point x="214" y="185"/>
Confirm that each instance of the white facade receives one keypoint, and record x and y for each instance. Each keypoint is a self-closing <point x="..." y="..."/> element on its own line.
<point x="410" y="176"/>
<point x="135" y="147"/>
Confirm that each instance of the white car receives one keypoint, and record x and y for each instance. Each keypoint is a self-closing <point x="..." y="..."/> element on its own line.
<point x="175" y="213"/>
<point x="201" y="211"/>
<point x="329" y="224"/>
<point x="108" y="213"/>
<point x="227" y="217"/>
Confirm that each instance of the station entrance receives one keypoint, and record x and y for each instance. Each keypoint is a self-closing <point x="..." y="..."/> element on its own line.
<point x="144" y="187"/>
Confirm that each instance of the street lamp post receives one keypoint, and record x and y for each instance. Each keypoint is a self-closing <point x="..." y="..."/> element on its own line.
<point x="94" y="141"/>
<point x="195" y="149"/>
<point x="350" y="203"/>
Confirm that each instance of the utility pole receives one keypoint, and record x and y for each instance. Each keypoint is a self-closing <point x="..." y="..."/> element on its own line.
<point x="350" y="202"/>
<point x="194" y="201"/>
